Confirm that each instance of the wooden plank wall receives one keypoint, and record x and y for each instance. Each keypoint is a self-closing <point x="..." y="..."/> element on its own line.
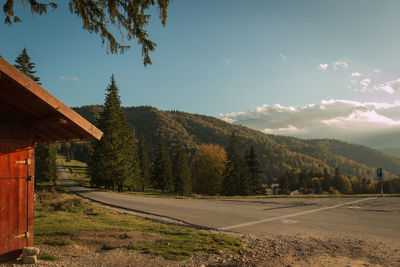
<point x="16" y="192"/>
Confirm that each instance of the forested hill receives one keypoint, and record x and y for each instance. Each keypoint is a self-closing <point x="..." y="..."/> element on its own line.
<point x="276" y="153"/>
<point x="392" y="151"/>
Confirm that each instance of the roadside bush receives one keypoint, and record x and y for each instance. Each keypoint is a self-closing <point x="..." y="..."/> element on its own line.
<point x="69" y="205"/>
<point x="52" y="200"/>
<point x="333" y="191"/>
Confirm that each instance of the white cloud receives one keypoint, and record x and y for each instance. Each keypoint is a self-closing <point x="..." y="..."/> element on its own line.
<point x="291" y="130"/>
<point x="228" y="61"/>
<point x="360" y="116"/>
<point x="73" y="78"/>
<point x="356" y="74"/>
<point x="365" y="83"/>
<point x="377" y="70"/>
<point x="323" y="66"/>
<point x="389" y="87"/>
<point x="343" y="119"/>
<point x="340" y="64"/>
<point x="283" y="56"/>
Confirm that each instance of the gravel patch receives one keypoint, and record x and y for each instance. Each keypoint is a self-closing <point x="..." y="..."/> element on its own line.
<point x="260" y="250"/>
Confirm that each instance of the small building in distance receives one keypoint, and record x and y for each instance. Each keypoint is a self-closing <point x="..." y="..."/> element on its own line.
<point x="273" y="189"/>
<point x="28" y="115"/>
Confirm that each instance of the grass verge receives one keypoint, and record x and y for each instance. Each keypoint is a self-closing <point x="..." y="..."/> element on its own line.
<point x="59" y="216"/>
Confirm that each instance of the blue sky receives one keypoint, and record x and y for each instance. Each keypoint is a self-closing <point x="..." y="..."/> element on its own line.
<point x="218" y="57"/>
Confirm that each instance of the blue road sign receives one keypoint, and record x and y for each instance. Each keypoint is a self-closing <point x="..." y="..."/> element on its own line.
<point x="379" y="173"/>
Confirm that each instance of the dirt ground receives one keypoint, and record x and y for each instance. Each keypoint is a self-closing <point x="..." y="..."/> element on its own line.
<point x="102" y="249"/>
<point x="99" y="249"/>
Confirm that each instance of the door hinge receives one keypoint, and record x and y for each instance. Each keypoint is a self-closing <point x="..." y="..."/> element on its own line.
<point x="26" y="234"/>
<point x="27" y="162"/>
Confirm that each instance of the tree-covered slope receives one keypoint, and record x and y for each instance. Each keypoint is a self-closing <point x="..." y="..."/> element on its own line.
<point x="392" y="151"/>
<point x="276" y="153"/>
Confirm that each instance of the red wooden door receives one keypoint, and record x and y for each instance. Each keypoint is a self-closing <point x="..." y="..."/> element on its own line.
<point x="16" y="198"/>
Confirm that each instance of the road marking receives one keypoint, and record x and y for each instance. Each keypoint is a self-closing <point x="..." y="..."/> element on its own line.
<point x="289" y="221"/>
<point x="293" y="214"/>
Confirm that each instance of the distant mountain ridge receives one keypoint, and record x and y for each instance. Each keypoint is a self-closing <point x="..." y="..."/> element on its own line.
<point x="276" y="153"/>
<point x="392" y="151"/>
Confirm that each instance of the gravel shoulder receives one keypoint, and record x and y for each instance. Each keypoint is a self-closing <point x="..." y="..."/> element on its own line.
<point x="260" y="251"/>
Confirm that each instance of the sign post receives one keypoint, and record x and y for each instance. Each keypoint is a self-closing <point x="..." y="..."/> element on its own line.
<point x="379" y="174"/>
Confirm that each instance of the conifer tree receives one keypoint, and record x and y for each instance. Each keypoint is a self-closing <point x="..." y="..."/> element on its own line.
<point x="45" y="154"/>
<point x="45" y="163"/>
<point x="236" y="175"/>
<point x="112" y="161"/>
<point x="144" y="164"/>
<point x="133" y="182"/>
<point x="253" y="167"/>
<point x="316" y="185"/>
<point x="181" y="172"/>
<point x="284" y="183"/>
<point x="336" y="178"/>
<point x="24" y="64"/>
<point x="162" y="172"/>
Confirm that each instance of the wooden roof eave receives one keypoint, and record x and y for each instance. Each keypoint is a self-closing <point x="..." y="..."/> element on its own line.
<point x="40" y="93"/>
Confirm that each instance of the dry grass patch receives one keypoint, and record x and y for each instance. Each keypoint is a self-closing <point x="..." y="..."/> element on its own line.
<point x="63" y="219"/>
<point x="112" y="239"/>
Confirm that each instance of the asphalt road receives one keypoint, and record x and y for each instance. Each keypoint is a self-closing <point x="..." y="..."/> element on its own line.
<point x="371" y="219"/>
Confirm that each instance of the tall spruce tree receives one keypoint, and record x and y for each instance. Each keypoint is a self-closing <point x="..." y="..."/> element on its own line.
<point x="162" y="171"/>
<point x="253" y="167"/>
<point x="336" y="178"/>
<point x="144" y="164"/>
<point x="112" y="161"/>
<point x="24" y="64"/>
<point x="181" y="172"/>
<point x="45" y="163"/>
<point x="236" y="180"/>
<point x="45" y="154"/>
<point x="284" y="183"/>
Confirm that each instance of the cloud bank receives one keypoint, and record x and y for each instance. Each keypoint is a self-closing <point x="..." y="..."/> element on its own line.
<point x="341" y="119"/>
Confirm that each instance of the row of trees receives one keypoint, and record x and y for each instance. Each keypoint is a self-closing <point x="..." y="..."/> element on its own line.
<point x="119" y="161"/>
<point x="75" y="150"/>
<point x="333" y="183"/>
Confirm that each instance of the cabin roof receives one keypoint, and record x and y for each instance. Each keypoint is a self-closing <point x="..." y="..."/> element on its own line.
<point x="23" y="100"/>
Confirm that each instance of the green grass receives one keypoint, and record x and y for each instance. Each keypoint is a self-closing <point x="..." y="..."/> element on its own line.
<point x="179" y="246"/>
<point x="58" y="216"/>
<point x="46" y="257"/>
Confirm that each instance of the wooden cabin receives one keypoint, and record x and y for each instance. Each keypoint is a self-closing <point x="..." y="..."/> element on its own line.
<point x="28" y="115"/>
